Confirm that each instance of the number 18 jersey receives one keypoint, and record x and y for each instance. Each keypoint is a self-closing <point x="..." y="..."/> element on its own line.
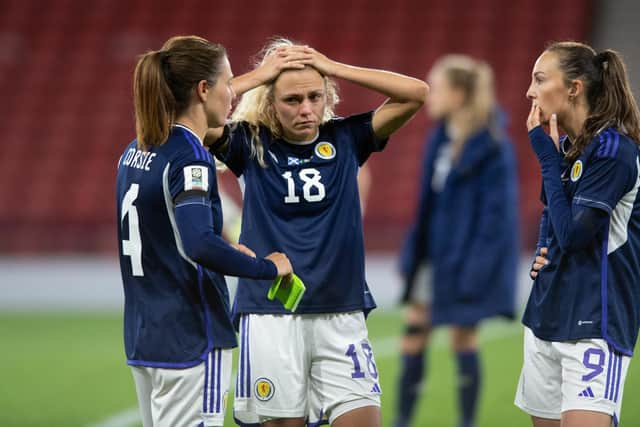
<point x="305" y="203"/>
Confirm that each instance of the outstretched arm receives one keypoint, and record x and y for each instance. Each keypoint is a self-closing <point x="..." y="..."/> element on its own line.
<point x="406" y="94"/>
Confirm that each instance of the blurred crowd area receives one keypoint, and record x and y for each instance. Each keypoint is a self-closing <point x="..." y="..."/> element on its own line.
<point x="66" y="111"/>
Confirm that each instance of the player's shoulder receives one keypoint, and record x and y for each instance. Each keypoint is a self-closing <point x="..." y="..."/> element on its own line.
<point x="183" y="146"/>
<point x="611" y="143"/>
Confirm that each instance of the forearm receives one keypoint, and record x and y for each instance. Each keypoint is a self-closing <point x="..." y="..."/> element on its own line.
<point x="574" y="226"/>
<point x="247" y="81"/>
<point x="398" y="87"/>
<point x="194" y="222"/>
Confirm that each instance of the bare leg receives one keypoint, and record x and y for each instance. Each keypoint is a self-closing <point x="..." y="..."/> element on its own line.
<point x="284" y="422"/>
<point x="367" y="416"/>
<point x="585" y="419"/>
<point x="544" y="422"/>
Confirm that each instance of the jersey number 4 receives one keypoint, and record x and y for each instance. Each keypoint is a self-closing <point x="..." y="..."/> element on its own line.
<point x="133" y="246"/>
<point x="312" y="189"/>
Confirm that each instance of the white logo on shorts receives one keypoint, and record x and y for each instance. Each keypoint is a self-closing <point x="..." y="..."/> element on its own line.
<point x="585" y="322"/>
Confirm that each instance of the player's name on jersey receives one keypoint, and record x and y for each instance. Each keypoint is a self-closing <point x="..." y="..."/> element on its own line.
<point x="138" y="159"/>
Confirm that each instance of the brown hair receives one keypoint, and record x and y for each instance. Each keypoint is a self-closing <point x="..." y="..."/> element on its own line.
<point x="607" y="91"/>
<point x="163" y="82"/>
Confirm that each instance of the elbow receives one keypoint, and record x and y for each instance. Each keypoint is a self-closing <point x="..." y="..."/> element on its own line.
<point x="422" y="92"/>
<point x="194" y="250"/>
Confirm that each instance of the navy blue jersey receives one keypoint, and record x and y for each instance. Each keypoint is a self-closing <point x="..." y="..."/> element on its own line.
<point x="594" y="292"/>
<point x="305" y="203"/>
<point x="175" y="310"/>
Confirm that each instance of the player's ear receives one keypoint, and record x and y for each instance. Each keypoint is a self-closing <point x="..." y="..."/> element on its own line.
<point x="576" y="88"/>
<point x="202" y="90"/>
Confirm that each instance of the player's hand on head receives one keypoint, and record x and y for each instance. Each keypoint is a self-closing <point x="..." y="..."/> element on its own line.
<point x="282" y="263"/>
<point x="283" y="58"/>
<point x="320" y="62"/>
<point x="539" y="262"/>
<point x="245" y="250"/>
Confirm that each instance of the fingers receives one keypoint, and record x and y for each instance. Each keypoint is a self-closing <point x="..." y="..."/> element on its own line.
<point x="543" y="251"/>
<point x="533" y="120"/>
<point x="282" y="263"/>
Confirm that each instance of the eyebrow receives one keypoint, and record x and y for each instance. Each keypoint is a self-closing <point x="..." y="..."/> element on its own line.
<point x="537" y="73"/>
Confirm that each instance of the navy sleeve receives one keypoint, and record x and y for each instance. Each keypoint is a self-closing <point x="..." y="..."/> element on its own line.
<point x="574" y="227"/>
<point x="201" y="244"/>
<point x="543" y="232"/>
<point x="360" y="128"/>
<point x="238" y="149"/>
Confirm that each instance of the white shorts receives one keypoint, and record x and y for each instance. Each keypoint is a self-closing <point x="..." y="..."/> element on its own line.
<point x="573" y="375"/>
<point x="184" y="397"/>
<point x="315" y="366"/>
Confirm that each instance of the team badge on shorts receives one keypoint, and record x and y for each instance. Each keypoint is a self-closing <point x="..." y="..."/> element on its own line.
<point x="264" y="389"/>
<point x="325" y="150"/>
<point x="576" y="171"/>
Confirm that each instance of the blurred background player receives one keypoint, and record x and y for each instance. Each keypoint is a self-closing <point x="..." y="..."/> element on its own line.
<point x="466" y="231"/>
<point x="299" y="165"/>
<point x="177" y="331"/>
<point x="581" y="320"/>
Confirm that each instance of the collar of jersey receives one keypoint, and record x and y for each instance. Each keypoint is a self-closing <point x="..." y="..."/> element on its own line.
<point x="311" y="141"/>
<point x="178" y="125"/>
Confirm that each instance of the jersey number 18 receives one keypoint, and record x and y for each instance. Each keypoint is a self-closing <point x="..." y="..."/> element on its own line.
<point x="312" y="189"/>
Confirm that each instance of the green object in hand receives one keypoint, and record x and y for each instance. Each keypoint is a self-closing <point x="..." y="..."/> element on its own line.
<point x="289" y="295"/>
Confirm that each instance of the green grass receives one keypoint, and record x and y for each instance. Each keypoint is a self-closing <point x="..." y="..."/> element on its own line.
<point x="69" y="370"/>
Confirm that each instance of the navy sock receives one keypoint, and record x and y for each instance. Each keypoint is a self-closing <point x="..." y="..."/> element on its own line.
<point x="468" y="386"/>
<point x="413" y="367"/>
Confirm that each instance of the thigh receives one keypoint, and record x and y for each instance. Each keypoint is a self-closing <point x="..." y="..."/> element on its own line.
<point x="272" y="368"/>
<point x="539" y="388"/>
<point x="142" y="380"/>
<point x="593" y="377"/>
<point x="344" y="375"/>
<point x="177" y="396"/>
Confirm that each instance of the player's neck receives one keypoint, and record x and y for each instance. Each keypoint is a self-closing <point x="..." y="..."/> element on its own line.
<point x="193" y="121"/>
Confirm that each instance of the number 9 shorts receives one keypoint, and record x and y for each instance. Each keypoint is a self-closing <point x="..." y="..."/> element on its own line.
<point x="572" y="375"/>
<point x="313" y="366"/>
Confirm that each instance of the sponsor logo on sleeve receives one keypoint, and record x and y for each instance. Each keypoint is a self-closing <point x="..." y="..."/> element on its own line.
<point x="196" y="178"/>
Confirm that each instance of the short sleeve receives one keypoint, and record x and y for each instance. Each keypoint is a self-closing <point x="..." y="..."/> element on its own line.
<point x="360" y="128"/>
<point x="604" y="182"/>
<point x="238" y="149"/>
<point x="191" y="173"/>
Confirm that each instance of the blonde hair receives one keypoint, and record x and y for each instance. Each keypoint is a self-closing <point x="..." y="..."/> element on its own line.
<point x="475" y="79"/>
<point x="256" y="106"/>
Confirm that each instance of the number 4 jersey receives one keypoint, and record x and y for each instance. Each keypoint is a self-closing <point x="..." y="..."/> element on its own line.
<point x="175" y="310"/>
<point x="305" y="203"/>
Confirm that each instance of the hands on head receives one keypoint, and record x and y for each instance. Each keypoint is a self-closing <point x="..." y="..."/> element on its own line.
<point x="294" y="57"/>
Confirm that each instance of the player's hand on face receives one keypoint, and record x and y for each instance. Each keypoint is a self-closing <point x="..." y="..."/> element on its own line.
<point x="320" y="62"/>
<point x="534" y="121"/>
<point x="282" y="263"/>
<point x="283" y="58"/>
<point x="245" y="250"/>
<point x="539" y="262"/>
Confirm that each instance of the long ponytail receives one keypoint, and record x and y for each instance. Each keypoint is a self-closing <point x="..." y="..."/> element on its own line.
<point x="153" y="101"/>
<point x="608" y="92"/>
